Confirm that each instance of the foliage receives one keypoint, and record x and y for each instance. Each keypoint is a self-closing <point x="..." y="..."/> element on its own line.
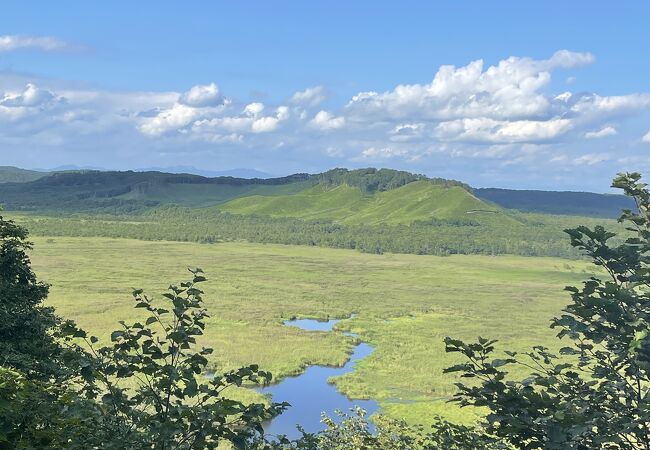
<point x="148" y="384"/>
<point x="146" y="390"/>
<point x="372" y="180"/>
<point x="26" y="342"/>
<point x="37" y="414"/>
<point x="595" y="395"/>
<point x="354" y="432"/>
<point x="525" y="234"/>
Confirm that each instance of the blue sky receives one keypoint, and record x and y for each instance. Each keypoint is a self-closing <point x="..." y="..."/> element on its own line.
<point x="549" y="95"/>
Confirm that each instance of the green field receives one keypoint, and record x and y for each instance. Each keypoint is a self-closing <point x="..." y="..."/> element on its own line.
<point x="419" y="200"/>
<point x="405" y="305"/>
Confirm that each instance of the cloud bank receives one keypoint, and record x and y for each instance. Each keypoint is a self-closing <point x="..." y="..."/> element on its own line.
<point x="477" y="117"/>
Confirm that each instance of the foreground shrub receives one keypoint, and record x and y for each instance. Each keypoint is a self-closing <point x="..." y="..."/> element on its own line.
<point x="595" y="394"/>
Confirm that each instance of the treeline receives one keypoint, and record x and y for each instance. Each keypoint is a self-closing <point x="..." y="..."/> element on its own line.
<point x="372" y="180"/>
<point x="529" y="235"/>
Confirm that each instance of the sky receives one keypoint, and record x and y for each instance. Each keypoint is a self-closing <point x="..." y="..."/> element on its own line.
<point x="529" y="95"/>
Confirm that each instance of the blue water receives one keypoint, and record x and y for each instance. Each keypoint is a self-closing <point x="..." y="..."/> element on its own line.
<point x="312" y="324"/>
<point x="309" y="393"/>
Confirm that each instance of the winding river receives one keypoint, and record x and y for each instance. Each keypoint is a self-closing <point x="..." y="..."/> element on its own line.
<point x="310" y="394"/>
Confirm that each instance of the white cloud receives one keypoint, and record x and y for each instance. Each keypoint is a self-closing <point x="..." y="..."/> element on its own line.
<point x="646" y="138"/>
<point x="495" y="131"/>
<point x="568" y="59"/>
<point x="201" y="96"/>
<point x="327" y="121"/>
<point x="475" y="118"/>
<point x="407" y="132"/>
<point x="218" y="123"/>
<point x="310" y="97"/>
<point x="603" y="132"/>
<point x="176" y="117"/>
<point x="508" y="90"/>
<point x="596" y="106"/>
<point x="282" y="112"/>
<point x="10" y="43"/>
<point x="265" y="124"/>
<point x="254" y="109"/>
<point x="373" y="153"/>
<point x="30" y="96"/>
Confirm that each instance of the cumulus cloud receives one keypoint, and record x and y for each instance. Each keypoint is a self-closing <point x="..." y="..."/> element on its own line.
<point x="603" y="132"/>
<point x="10" y="43"/>
<point x="310" y="97"/>
<point x="508" y="90"/>
<point x="176" y="117"/>
<point x="327" y="121"/>
<point x="201" y="96"/>
<point x="253" y="109"/>
<point x="31" y="96"/>
<point x="498" y="116"/>
<point x="646" y="138"/>
<point x="499" y="131"/>
<point x="217" y="124"/>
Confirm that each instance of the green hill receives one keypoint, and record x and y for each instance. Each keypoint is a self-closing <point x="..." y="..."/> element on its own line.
<point x="9" y="174"/>
<point x="354" y="197"/>
<point x="414" y="201"/>
<point x="129" y="192"/>
<point x="362" y="196"/>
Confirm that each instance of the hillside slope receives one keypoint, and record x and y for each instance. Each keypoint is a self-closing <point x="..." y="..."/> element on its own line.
<point x="127" y="192"/>
<point x="9" y="174"/>
<point x="415" y="201"/>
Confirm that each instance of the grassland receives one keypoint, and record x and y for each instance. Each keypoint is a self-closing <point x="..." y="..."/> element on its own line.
<point x="419" y="200"/>
<point x="405" y="305"/>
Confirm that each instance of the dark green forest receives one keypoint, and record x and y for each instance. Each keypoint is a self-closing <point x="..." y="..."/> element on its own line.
<point x="529" y="235"/>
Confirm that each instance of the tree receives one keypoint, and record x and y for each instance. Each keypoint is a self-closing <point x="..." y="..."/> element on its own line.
<point x="595" y="393"/>
<point x="26" y="340"/>
<point x="148" y="386"/>
<point x="145" y="390"/>
<point x="354" y="432"/>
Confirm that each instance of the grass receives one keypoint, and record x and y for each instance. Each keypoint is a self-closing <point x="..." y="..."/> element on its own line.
<point x="419" y="200"/>
<point x="405" y="306"/>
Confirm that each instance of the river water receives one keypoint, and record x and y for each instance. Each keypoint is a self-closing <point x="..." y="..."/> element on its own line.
<point x="310" y="394"/>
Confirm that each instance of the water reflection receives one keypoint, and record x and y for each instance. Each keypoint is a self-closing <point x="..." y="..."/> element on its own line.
<point x="310" y="394"/>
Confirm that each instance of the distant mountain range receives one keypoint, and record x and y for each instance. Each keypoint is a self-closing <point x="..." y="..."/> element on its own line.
<point x="557" y="202"/>
<point x="362" y="196"/>
<point x="237" y="173"/>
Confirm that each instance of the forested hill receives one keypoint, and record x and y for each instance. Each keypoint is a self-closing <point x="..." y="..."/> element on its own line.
<point x="552" y="202"/>
<point x="361" y="196"/>
<point x="9" y="174"/>
<point x="129" y="191"/>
